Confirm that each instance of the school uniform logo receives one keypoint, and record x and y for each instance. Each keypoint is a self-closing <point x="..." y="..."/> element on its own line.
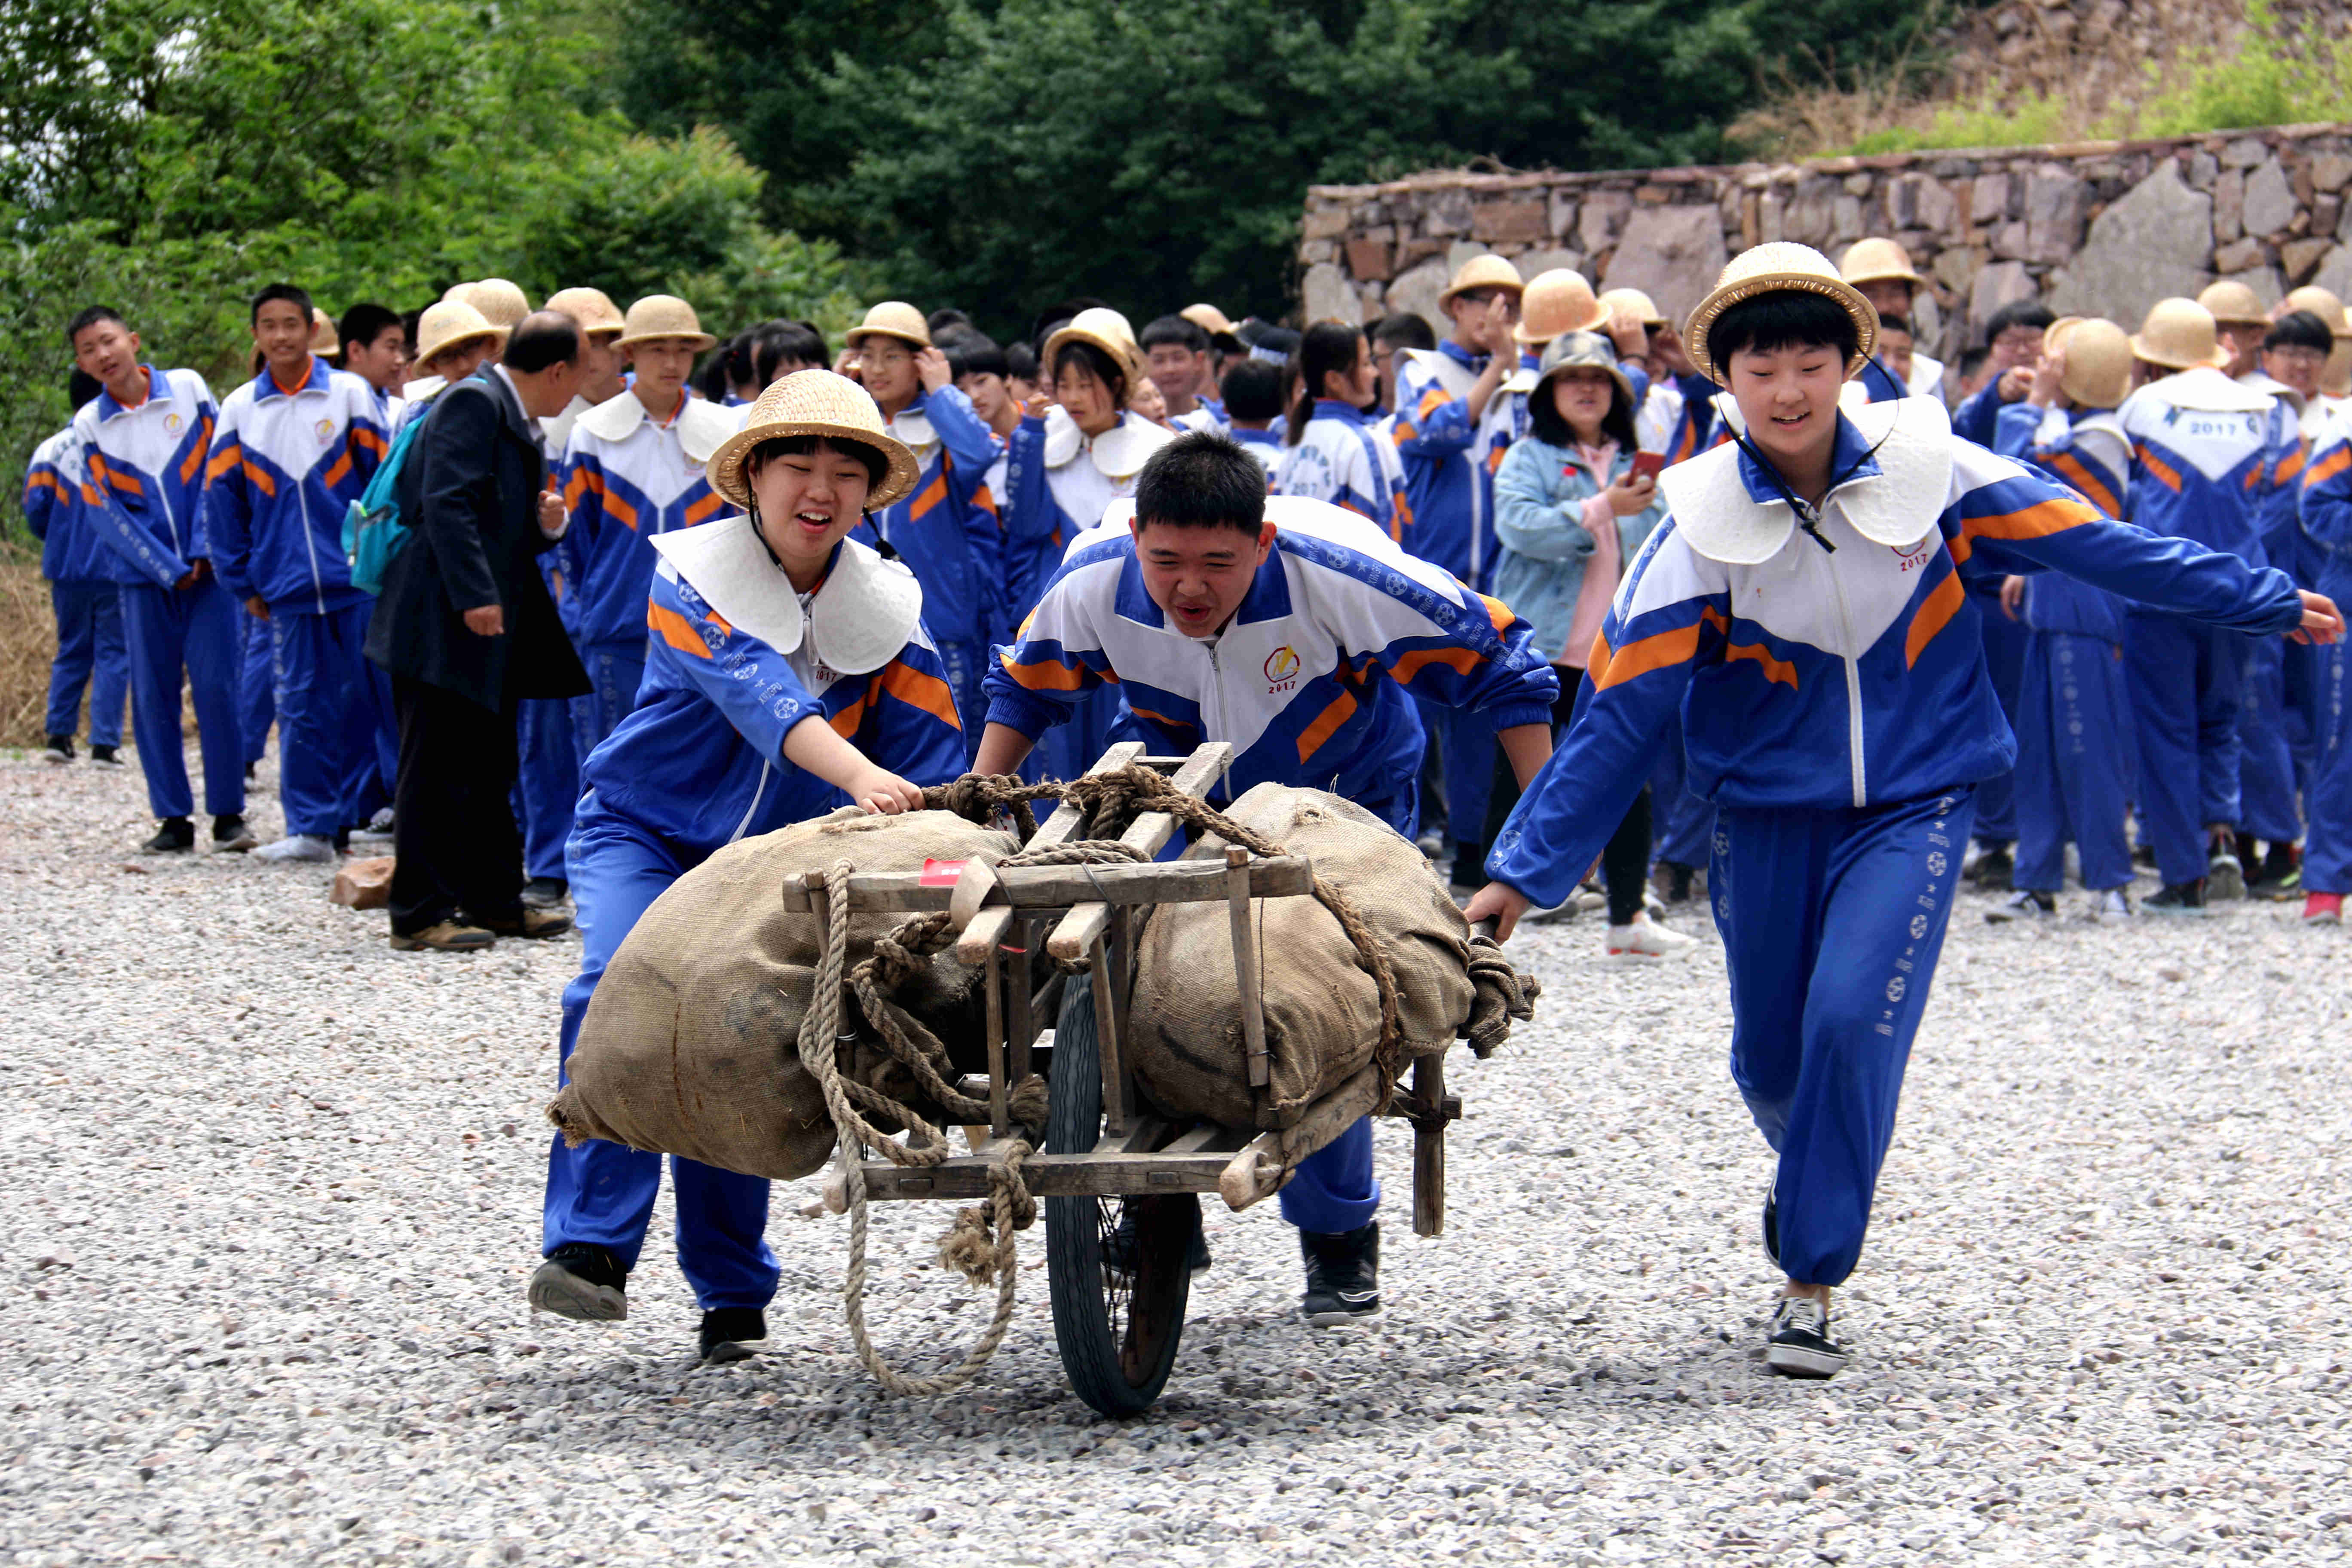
<point x="1281" y="670"/>
<point x="1914" y="556"/>
<point x="172" y="423"/>
<point x="326" y="429"/>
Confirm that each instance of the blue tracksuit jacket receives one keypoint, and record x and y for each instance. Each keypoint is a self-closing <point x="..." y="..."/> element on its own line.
<point x="151" y="459"/>
<point x="953" y="543"/>
<point x="285" y="465"/>
<point x="2087" y="452"/>
<point x="1450" y="460"/>
<point x="1339" y="459"/>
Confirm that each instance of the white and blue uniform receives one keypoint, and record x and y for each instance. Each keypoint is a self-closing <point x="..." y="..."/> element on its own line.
<point x="1338" y="458"/>
<point x="698" y="764"/>
<point x="627" y="479"/>
<point x="143" y="479"/>
<point x="2327" y="541"/>
<point x="2076" y="752"/>
<point x="2267" y="782"/>
<point x="85" y="599"/>
<point x="285" y="464"/>
<point x="1308" y="682"/>
<point x="1267" y="448"/>
<point x="2202" y="451"/>
<point x="1837" y="711"/>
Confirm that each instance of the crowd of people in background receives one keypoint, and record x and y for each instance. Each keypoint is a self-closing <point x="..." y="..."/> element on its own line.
<point x="201" y="546"/>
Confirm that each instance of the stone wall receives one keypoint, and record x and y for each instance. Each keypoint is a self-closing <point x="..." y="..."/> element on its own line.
<point x="2093" y="228"/>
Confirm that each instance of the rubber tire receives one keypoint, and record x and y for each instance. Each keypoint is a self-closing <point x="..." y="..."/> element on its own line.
<point x="1118" y="1373"/>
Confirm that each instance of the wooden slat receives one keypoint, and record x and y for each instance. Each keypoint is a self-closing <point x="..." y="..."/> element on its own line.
<point x="1067" y="887"/>
<point x="1150" y="832"/>
<point x="1143" y="1138"/>
<point x="965" y="1177"/>
<point x="1429" y="1148"/>
<point x="1020" y="1024"/>
<point x="1252" y="1173"/>
<point x="988" y="928"/>
<point x="1107" y="1044"/>
<point x="1239" y="883"/>
<point x="1000" y="1121"/>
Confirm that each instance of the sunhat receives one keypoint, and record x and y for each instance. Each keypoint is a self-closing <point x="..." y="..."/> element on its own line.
<point x="591" y="308"/>
<point x="2322" y="304"/>
<point x="1878" y="261"/>
<point x="1488" y="271"/>
<point x="1633" y="302"/>
<point x="1214" y="322"/>
<point x="812" y="403"/>
<point x="1570" y="350"/>
<point x="891" y="319"/>
<point x="2232" y="304"/>
<point x="2098" y="360"/>
<point x="447" y="323"/>
<point x="2179" y="334"/>
<point x="662" y="316"/>
<point x="501" y="303"/>
<point x="323" y="341"/>
<point x="1558" y="301"/>
<point x="1103" y="327"/>
<point x="1777" y="267"/>
<point x="456" y="291"/>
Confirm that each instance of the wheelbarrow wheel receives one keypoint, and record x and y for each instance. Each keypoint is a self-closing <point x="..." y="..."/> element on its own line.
<point x="1118" y="1328"/>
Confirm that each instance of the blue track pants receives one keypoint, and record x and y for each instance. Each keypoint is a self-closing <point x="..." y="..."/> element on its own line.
<point x="327" y="717"/>
<point x="2073" y="762"/>
<point x="2266" y="781"/>
<point x="2184" y="689"/>
<point x="603" y="1193"/>
<point x="91" y="654"/>
<point x="193" y="633"/>
<point x="548" y="783"/>
<point x="256" y="687"/>
<point x="1681" y="823"/>
<point x="1831" y="921"/>
<point x="614" y="673"/>
<point x="1465" y="746"/>
<point x="2004" y="656"/>
<point x="2327" y="848"/>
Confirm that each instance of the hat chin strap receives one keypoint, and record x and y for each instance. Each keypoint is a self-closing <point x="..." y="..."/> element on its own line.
<point x="1809" y="517"/>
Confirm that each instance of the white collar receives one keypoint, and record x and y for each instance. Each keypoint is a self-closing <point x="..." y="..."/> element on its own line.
<point x="2206" y="391"/>
<point x="864" y="613"/>
<point x="2262" y="381"/>
<point x="1899" y="506"/>
<point x="1119" y="453"/>
<point x="702" y="425"/>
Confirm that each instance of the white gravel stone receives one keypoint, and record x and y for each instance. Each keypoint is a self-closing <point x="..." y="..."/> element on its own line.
<point x="272" y="1193"/>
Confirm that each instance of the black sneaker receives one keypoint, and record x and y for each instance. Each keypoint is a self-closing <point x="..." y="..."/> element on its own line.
<point x="582" y="1282"/>
<point x="1671" y="880"/>
<point x="173" y="835"/>
<point x="104" y="757"/>
<point x="2178" y="898"/>
<point x="2280" y="875"/>
<point x="1798" y="1344"/>
<point x="733" y="1334"/>
<point x="2022" y="905"/>
<point x="1343" y="1275"/>
<point x="1772" y="1225"/>
<point x="58" y="749"/>
<point x="231" y="836"/>
<point x="1994" y="868"/>
<point x="1119" y="1247"/>
<point x="545" y="893"/>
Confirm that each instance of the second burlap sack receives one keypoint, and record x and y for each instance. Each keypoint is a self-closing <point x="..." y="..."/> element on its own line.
<point x="691" y="1043"/>
<point x="1322" y="1009"/>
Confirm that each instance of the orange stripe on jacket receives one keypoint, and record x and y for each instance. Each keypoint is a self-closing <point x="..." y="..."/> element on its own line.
<point x="1935" y="612"/>
<point x="2078" y="474"/>
<point x="223" y="460"/>
<point x="845" y="723"/>
<point x="2036" y="522"/>
<point x="1779" y="669"/>
<point x="2164" y="472"/>
<point x="1045" y="675"/>
<point x="1463" y="660"/>
<point x="582" y="481"/>
<point x="917" y="689"/>
<point x="702" y="508"/>
<point x="2328" y="466"/>
<point x="363" y="435"/>
<point x="1326" y="724"/>
<point x="1660" y="651"/>
<point x="677" y="630"/>
<point x="2290" y="467"/>
<point x="337" y="470"/>
<point x="260" y="480"/>
<point x="932" y="494"/>
<point x="196" y="457"/>
<point x="1162" y="719"/>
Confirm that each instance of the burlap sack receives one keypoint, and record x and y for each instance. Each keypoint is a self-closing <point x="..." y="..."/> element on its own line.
<point x="691" y="1044"/>
<point x="1322" y="1011"/>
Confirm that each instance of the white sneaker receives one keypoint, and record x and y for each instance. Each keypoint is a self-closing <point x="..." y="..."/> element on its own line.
<point x="2022" y="905"/>
<point x="303" y="846"/>
<point x="2112" y="905"/>
<point x="1588" y="897"/>
<point x="1645" y="937"/>
<point x="2224" y="877"/>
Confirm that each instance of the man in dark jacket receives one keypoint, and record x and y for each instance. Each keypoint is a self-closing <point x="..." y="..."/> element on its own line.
<point x="466" y="630"/>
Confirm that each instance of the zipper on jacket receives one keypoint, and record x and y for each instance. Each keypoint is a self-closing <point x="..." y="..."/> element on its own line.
<point x="1853" y="682"/>
<point x="1212" y="708"/>
<point x="758" y="792"/>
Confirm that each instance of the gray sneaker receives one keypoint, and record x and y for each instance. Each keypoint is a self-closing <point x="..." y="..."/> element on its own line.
<point x="297" y="846"/>
<point x="2224" y="877"/>
<point x="2022" y="905"/>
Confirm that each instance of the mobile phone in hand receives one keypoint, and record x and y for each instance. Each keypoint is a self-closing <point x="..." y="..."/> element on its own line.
<point x="1649" y="464"/>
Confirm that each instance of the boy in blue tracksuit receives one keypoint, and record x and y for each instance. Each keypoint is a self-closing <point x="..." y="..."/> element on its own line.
<point x="293" y="448"/>
<point x="141" y="445"/>
<point x="2328" y="531"/>
<point x="789" y="673"/>
<point x="1296" y="631"/>
<point x="1804" y="606"/>
<point x="91" y="652"/>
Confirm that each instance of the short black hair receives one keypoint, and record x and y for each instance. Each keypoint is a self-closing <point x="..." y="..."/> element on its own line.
<point x="973" y="354"/>
<point x="1177" y="331"/>
<point x="1252" y="389"/>
<point x="81" y="386"/>
<point x="1106" y="370"/>
<point x="1785" y="318"/>
<point x="777" y="341"/>
<point x="293" y="294"/>
<point x="89" y="316"/>
<point x="540" y="339"/>
<point x="940" y="321"/>
<point x="1404" y="330"/>
<point x="1020" y="361"/>
<point x="1897" y="324"/>
<point x="1201" y="479"/>
<point x="364" y="323"/>
<point x="2300" y="330"/>
<point x="878" y="467"/>
<point x="2019" y="313"/>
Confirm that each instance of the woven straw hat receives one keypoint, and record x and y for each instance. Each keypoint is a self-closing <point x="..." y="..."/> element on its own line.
<point x="323" y="341"/>
<point x="2232" y="304"/>
<point x="1582" y="348"/>
<point x="1209" y="319"/>
<point x="456" y="291"/>
<point x="891" y="319"/>
<point x="591" y="308"/>
<point x="2098" y="371"/>
<point x="2322" y="304"/>
<point x="1781" y="265"/>
<point x="501" y="303"/>
<point x="814" y="403"/>
<point x="448" y="324"/>
<point x="1106" y="330"/>
<point x="2179" y="334"/>
<point x="662" y="316"/>
<point x="1878" y="260"/>
<point x="1634" y="303"/>
<point x="1558" y="301"/>
<point x="1482" y="272"/>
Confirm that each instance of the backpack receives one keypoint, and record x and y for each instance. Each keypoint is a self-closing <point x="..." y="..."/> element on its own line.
<point x="374" y="533"/>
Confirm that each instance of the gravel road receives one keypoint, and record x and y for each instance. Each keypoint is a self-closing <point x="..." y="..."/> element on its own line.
<point x="272" y="1193"/>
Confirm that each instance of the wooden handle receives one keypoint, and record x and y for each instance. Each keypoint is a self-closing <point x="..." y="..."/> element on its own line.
<point x="1248" y="1176"/>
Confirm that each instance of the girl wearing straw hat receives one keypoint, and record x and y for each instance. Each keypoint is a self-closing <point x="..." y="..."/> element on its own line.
<point x="790" y="673"/>
<point x="1803" y="605"/>
<point x="453" y="339"/>
<point x="1880" y="270"/>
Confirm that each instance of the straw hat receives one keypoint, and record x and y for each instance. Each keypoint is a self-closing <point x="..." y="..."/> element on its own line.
<point x="2098" y="371"/>
<point x="2322" y="304"/>
<point x="448" y="324"/>
<point x="501" y="303"/>
<point x="1570" y="350"/>
<point x="1876" y="261"/>
<point x="2336" y="375"/>
<point x="1781" y="265"/>
<point x="2232" y="304"/>
<point x="2179" y="334"/>
<point x="662" y="316"/>
<point x="1210" y="319"/>
<point x="323" y="341"/>
<point x="1634" y="303"/>
<point x="591" y="308"/>
<point x="1106" y="330"/>
<point x="891" y="319"/>
<point x="1558" y="301"/>
<point x="811" y="402"/>
<point x="1482" y="272"/>
<point x="456" y="291"/>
